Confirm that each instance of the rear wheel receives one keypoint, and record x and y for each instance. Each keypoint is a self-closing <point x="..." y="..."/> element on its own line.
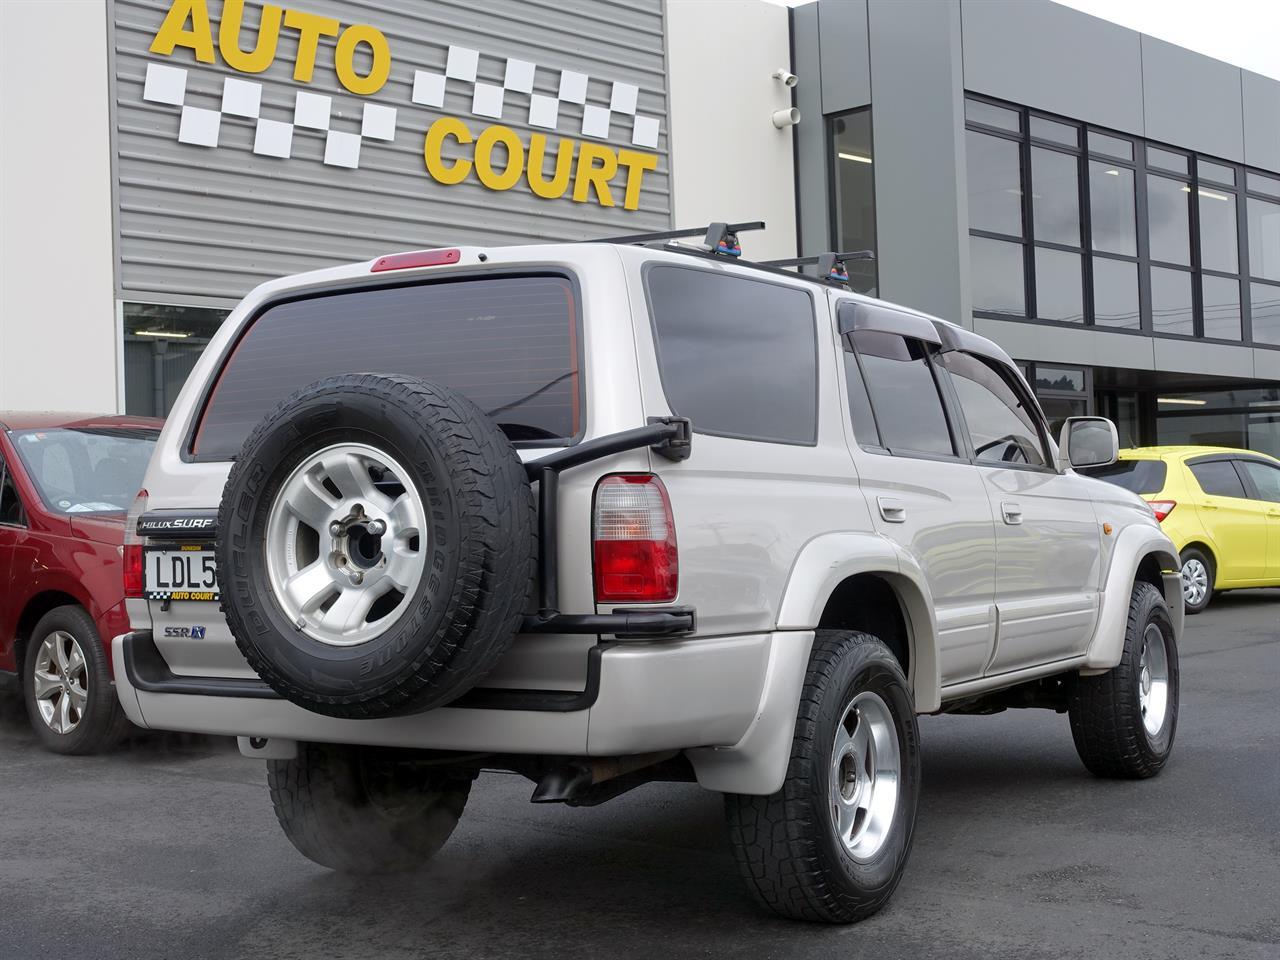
<point x="832" y="844"/>
<point x="364" y="810"/>
<point x="1123" y="721"/>
<point x="70" y="698"/>
<point x="1198" y="573"/>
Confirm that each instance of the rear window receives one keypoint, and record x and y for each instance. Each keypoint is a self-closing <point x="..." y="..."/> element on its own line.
<point x="1136" y="476"/>
<point x="738" y="356"/>
<point x="1142" y="476"/>
<point x="510" y="344"/>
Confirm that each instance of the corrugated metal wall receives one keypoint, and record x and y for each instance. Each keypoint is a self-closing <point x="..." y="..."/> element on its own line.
<point x="215" y="221"/>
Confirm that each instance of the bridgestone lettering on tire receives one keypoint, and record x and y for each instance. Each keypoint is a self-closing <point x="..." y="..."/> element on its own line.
<point x="415" y="583"/>
<point x="791" y="847"/>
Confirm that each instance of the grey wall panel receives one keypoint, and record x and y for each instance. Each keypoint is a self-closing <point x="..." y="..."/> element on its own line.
<point x="917" y="122"/>
<point x="1261" y="120"/>
<point x="812" y="212"/>
<point x="215" y="221"/>
<point x="846" y="67"/>
<point x="1192" y="100"/>
<point x="1054" y="58"/>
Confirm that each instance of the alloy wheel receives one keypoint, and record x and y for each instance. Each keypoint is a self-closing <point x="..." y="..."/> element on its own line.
<point x="866" y="771"/>
<point x="61" y="682"/>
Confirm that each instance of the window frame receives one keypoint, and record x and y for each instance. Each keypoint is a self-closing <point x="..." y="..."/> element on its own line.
<point x="191" y="429"/>
<point x="1015" y="384"/>
<point x="651" y="265"/>
<point x="7" y="476"/>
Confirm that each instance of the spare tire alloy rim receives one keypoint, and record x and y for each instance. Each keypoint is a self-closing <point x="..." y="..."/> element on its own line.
<point x="866" y="770"/>
<point x="345" y="544"/>
<point x="1153" y="679"/>
<point x="61" y="682"/>
<point x="1195" y="582"/>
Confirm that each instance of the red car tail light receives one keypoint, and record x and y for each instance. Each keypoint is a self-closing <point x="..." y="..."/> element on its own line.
<point x="133" y="581"/>
<point x="634" y="541"/>
<point x="416" y="258"/>
<point x="1162" y="508"/>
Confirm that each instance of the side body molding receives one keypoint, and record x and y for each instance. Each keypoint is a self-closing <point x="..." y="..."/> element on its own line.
<point x="1133" y="544"/>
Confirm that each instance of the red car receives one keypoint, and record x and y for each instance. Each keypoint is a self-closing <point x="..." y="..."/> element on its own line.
<point x="66" y="481"/>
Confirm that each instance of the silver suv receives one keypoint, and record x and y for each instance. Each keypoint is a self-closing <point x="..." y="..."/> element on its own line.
<point x="619" y="512"/>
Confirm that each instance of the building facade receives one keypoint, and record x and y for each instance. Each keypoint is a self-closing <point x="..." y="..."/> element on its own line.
<point x="160" y="158"/>
<point x="1103" y="204"/>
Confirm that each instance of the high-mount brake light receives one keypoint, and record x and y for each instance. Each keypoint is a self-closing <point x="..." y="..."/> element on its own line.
<point x="1162" y="508"/>
<point x="634" y="541"/>
<point x="132" y="552"/>
<point x="416" y="258"/>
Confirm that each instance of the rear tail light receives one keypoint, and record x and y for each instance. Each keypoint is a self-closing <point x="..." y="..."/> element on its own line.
<point x="133" y="586"/>
<point x="1162" y="508"/>
<point x="416" y="258"/>
<point x="634" y="541"/>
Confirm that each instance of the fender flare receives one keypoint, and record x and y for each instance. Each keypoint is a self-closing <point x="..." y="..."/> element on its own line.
<point x="1132" y="546"/>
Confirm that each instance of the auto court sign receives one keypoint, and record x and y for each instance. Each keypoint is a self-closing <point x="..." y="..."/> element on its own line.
<point x="454" y="149"/>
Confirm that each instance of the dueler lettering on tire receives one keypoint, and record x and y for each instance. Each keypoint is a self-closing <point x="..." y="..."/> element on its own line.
<point x="376" y="546"/>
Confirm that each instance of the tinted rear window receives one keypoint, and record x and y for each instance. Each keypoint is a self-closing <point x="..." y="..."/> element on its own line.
<point x="738" y="356"/>
<point x="507" y="343"/>
<point x="1136" y="476"/>
<point x="1218" y="478"/>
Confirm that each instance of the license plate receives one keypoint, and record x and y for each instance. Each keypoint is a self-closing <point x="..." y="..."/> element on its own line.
<point x="181" y="573"/>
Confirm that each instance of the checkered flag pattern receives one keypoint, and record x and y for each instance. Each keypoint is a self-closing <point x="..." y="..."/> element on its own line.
<point x="272" y="138"/>
<point x="489" y="99"/>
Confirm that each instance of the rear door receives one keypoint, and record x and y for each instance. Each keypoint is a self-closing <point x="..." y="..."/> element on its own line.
<point x="1048" y="539"/>
<point x="1263" y="480"/>
<point x="922" y="491"/>
<point x="1237" y="524"/>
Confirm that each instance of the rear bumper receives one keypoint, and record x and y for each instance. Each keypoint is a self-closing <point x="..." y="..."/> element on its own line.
<point x="640" y="697"/>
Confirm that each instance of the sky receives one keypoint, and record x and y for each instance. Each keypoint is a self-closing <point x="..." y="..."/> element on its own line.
<point x="1242" y="32"/>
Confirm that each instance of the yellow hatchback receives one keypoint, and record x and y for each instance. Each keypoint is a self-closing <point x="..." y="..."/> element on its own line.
<point x="1220" y="507"/>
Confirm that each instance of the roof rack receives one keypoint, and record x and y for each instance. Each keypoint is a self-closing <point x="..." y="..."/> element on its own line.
<point x="717" y="237"/>
<point x="831" y="265"/>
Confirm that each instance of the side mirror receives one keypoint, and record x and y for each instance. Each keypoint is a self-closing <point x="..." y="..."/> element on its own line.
<point x="1088" y="442"/>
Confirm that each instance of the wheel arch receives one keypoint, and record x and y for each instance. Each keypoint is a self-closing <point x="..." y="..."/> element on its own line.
<point x="1141" y="554"/>
<point x="36" y="608"/>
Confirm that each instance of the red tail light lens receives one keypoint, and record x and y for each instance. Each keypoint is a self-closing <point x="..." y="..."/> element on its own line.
<point x="416" y="258"/>
<point x="634" y="540"/>
<point x="1162" y="508"/>
<point x="133" y="585"/>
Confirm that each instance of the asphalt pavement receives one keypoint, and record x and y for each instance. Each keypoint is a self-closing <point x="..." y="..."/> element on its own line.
<point x="169" y="849"/>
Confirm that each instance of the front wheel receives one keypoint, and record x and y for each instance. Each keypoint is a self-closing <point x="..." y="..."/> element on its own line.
<point x="365" y="810"/>
<point x="832" y="844"/>
<point x="71" y="702"/>
<point x="1123" y="721"/>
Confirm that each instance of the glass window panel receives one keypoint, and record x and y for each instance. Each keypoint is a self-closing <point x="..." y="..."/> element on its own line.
<point x="1168" y="219"/>
<point x="905" y="398"/>
<point x="855" y="195"/>
<point x="1216" y="172"/>
<point x="1221" y="298"/>
<point x="1166" y="159"/>
<point x="1063" y="133"/>
<point x="1055" y="196"/>
<point x="162" y="343"/>
<point x="1111" y="208"/>
<point x="1059" y="293"/>
<point x="1136" y="476"/>
<point x="1264" y="303"/>
<point x="1115" y="293"/>
<point x="1265" y="477"/>
<point x="1218" y="478"/>
<point x="1110" y="146"/>
<point x="1000" y="424"/>
<point x="865" y="430"/>
<point x="1171" y="310"/>
<point x="1264" y="239"/>
<point x="1259" y="183"/>
<point x="996" y="269"/>
<point x="995" y="184"/>
<point x="976" y="111"/>
<point x="1218" y="231"/>
<point x="1059" y="378"/>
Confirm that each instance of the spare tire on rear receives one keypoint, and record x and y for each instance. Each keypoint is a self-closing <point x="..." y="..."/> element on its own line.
<point x="376" y="546"/>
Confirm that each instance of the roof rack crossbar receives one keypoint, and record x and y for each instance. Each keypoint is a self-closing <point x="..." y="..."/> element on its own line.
<point x="819" y="259"/>
<point x="713" y="232"/>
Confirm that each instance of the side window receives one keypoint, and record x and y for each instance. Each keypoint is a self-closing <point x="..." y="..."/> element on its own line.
<point x="865" y="430"/>
<point x="904" y="394"/>
<point x="738" y="356"/>
<point x="1265" y="477"/>
<point x="1218" y="478"/>
<point x="1004" y="430"/>
<point x="11" y="512"/>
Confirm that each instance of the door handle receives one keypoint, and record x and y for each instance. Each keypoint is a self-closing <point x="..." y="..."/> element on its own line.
<point x="1012" y="512"/>
<point x="1208" y="506"/>
<point x="893" y="511"/>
